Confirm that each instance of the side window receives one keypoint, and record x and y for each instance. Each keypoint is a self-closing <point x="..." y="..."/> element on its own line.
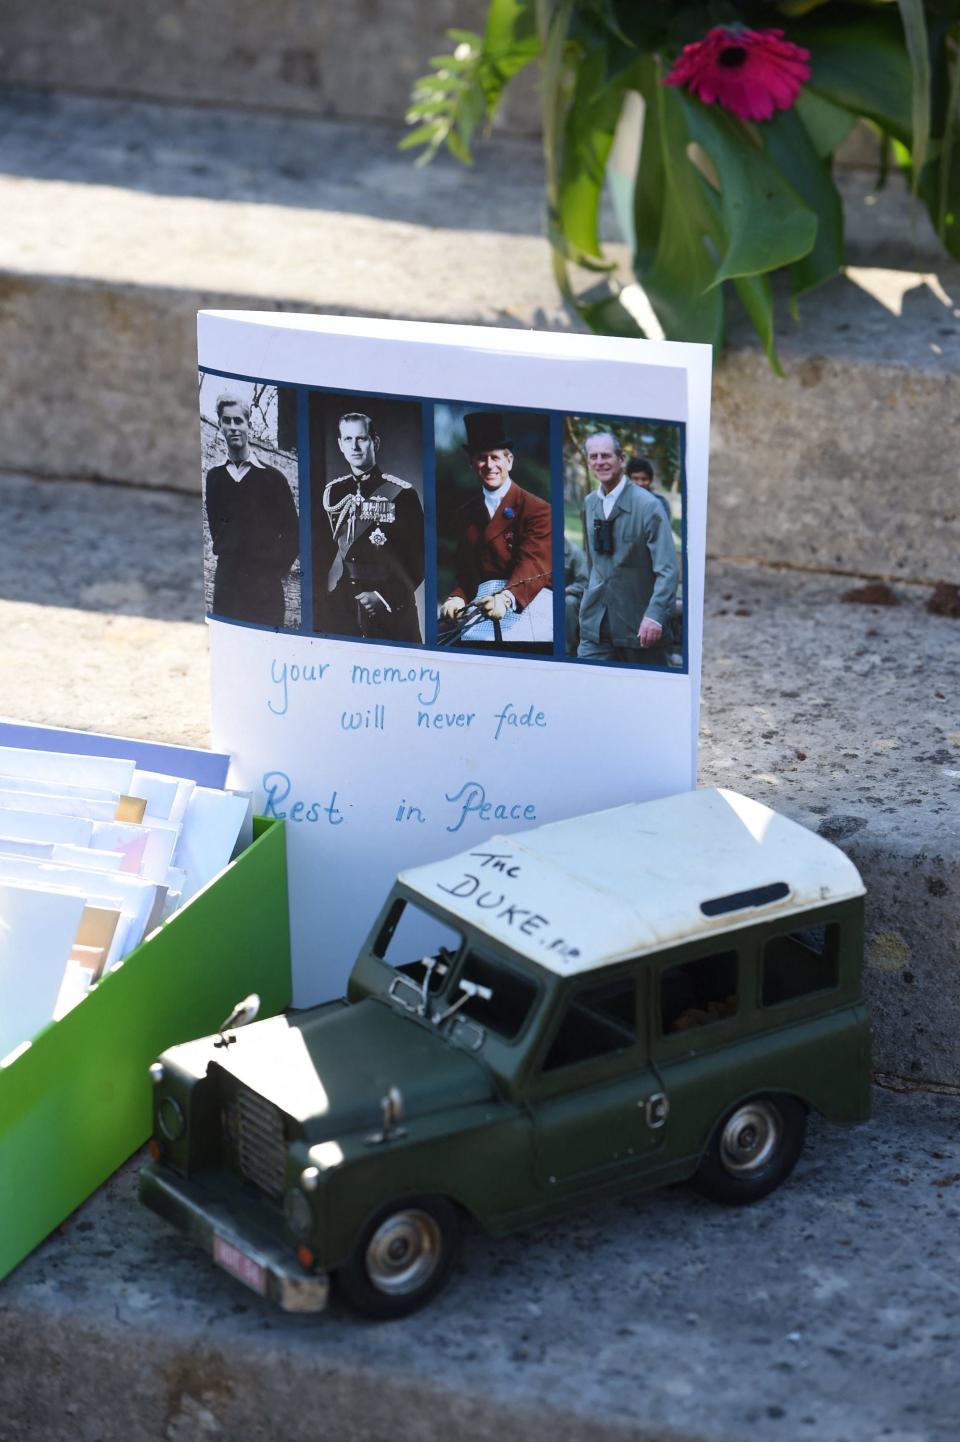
<point x="597" y="1021"/>
<point x="697" y="993"/>
<point x="799" y="963"/>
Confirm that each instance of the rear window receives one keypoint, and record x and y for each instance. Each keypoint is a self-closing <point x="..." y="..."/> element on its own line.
<point x="799" y="963"/>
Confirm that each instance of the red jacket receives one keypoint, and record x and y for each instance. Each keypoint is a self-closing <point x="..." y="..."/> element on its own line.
<point x="513" y="545"/>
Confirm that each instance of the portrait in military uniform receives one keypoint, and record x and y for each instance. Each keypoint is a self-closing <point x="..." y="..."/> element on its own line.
<point x="494" y="529"/>
<point x="367" y="517"/>
<point x="251" y="526"/>
<point x="631" y="608"/>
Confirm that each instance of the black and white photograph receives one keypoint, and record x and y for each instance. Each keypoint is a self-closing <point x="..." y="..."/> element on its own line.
<point x="367" y="517"/>
<point x="251" y="526"/>
<point x="623" y="541"/>
<point x="494" y="529"/>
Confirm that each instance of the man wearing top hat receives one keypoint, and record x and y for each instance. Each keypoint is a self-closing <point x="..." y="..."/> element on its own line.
<point x="376" y="524"/>
<point x="504" y="556"/>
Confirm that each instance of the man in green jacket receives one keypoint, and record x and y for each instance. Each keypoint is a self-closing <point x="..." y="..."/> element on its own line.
<point x="632" y="588"/>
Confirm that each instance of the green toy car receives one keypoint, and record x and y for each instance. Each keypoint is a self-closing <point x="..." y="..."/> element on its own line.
<point x="646" y="995"/>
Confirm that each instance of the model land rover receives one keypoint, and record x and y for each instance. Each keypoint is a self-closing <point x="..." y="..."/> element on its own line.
<point x="642" y="996"/>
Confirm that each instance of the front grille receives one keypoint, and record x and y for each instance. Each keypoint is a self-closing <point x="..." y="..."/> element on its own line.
<point x="260" y="1142"/>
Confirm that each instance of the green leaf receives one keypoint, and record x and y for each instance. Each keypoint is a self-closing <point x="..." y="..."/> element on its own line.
<point x="470" y="113"/>
<point x="457" y="147"/>
<point x="562" y="243"/>
<point x="511" y="27"/>
<point x="827" y="125"/>
<point x="766" y="222"/>
<point x="587" y="135"/>
<point x="648" y="197"/>
<point x="679" y="282"/>
<point x="946" y="195"/>
<point x="793" y="8"/>
<point x="940" y="183"/>
<point x="756" y="296"/>
<point x="861" y="65"/>
<point x="918" y="48"/>
<point x="609" y="317"/>
<point x="789" y="147"/>
<point x="420" y="136"/>
<point x="554" y="22"/>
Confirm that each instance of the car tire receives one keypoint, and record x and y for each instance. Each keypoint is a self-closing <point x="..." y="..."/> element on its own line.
<point x="403" y="1258"/>
<point x="753" y="1148"/>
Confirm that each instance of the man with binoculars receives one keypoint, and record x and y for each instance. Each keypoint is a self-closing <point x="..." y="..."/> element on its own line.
<point x="630" y="597"/>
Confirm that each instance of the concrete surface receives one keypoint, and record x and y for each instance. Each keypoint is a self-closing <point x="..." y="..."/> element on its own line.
<point x="311" y="56"/>
<point x="124" y="219"/>
<point x="829" y="1311"/>
<point x="845" y="716"/>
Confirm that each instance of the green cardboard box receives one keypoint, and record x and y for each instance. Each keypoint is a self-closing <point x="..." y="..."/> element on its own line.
<point x="77" y="1103"/>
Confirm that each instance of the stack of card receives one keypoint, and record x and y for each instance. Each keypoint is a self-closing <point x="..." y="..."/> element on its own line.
<point x="94" y="854"/>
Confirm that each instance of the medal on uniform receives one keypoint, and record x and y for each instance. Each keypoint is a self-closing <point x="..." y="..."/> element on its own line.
<point x="377" y="538"/>
<point x="378" y="509"/>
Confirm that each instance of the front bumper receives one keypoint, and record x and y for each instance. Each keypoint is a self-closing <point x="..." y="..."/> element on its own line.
<point x="271" y="1272"/>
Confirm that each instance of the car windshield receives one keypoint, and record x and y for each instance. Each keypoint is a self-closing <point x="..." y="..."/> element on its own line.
<point x="420" y="947"/>
<point x="466" y="998"/>
<point x="494" y="995"/>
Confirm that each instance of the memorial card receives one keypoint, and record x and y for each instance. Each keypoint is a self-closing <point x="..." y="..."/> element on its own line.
<point x="454" y="581"/>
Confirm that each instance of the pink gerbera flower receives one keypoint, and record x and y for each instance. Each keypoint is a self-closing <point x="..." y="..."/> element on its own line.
<point x="749" y="72"/>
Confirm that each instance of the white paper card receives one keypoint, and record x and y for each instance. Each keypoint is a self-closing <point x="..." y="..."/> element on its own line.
<point x="166" y="796"/>
<point x="40" y="826"/>
<point x="37" y="928"/>
<point x="211" y="826"/>
<point x="134" y="897"/>
<point x="352" y="702"/>
<point x="94" y="808"/>
<point x="97" y="771"/>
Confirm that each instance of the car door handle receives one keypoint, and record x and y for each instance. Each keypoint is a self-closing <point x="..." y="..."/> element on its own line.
<point x="656" y="1110"/>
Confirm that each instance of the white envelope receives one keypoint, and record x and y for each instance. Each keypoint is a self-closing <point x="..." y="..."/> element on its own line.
<point x="37" y="928"/>
<point x="134" y="897"/>
<point x="86" y="856"/>
<point x="39" y="826"/>
<point x="211" y="824"/>
<point x="148" y="846"/>
<point x="95" y="808"/>
<point x="111" y="773"/>
<point x="56" y="788"/>
<point x="17" y="846"/>
<point x="63" y="852"/>
<point x="166" y="796"/>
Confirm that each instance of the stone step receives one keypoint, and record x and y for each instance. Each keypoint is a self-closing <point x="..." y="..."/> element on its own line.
<point x="827" y="1311"/>
<point x="319" y="59"/>
<point x="842" y="715"/>
<point x="124" y="219"/>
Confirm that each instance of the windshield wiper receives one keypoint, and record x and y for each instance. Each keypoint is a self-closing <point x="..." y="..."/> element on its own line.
<point x="439" y="964"/>
<point x="470" y="990"/>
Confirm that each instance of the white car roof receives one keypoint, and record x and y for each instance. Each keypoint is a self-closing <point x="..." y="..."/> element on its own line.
<point x="584" y="893"/>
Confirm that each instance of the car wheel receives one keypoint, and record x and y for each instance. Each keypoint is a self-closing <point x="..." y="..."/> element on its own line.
<point x="403" y="1258"/>
<point x="752" y="1150"/>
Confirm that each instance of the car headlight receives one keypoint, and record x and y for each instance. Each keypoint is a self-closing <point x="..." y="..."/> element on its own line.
<point x="170" y="1118"/>
<point x="298" y="1212"/>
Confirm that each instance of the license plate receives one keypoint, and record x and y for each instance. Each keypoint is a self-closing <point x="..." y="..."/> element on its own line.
<point x="239" y="1265"/>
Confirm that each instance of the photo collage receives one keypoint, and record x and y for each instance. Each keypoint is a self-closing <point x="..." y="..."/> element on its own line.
<point x="450" y="525"/>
